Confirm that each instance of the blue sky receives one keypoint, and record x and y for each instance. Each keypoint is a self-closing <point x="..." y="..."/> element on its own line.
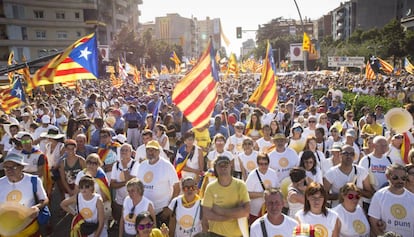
<point x="247" y="14"/>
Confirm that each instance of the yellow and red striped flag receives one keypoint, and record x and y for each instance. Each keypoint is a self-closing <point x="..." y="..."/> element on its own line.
<point x="369" y="73"/>
<point x="385" y="66"/>
<point x="408" y="66"/>
<point x="10" y="62"/>
<point x="175" y="58"/>
<point x="232" y="65"/>
<point x="196" y="93"/>
<point x="136" y="74"/>
<point x="12" y="96"/>
<point x="78" y="61"/>
<point x="265" y="94"/>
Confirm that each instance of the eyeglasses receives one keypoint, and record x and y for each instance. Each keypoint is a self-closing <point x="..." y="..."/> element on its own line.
<point x="131" y="213"/>
<point x="263" y="163"/>
<point x="396" y="177"/>
<point x="85" y="186"/>
<point x="92" y="163"/>
<point x="27" y="141"/>
<point x="149" y="225"/>
<point x="191" y="188"/>
<point x="10" y="167"/>
<point x="348" y="153"/>
<point x="352" y="196"/>
<point x="312" y="198"/>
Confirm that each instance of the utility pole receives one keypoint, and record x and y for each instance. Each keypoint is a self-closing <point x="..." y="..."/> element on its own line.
<point x="305" y="53"/>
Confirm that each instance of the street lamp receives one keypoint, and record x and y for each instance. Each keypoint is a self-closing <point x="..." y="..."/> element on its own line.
<point x="305" y="53"/>
<point x="278" y="57"/>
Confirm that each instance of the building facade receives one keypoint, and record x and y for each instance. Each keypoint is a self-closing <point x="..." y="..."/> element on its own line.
<point x="38" y="28"/>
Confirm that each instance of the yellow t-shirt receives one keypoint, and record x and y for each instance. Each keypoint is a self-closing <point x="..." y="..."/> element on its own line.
<point x="202" y="138"/>
<point x="227" y="197"/>
<point x="372" y="129"/>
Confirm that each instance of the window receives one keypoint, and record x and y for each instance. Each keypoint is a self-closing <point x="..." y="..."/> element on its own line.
<point x="40" y="34"/>
<point x="24" y="33"/>
<point x="60" y="15"/>
<point x="38" y="14"/>
<point x="77" y="15"/>
<point x="78" y="34"/>
<point x="62" y="35"/>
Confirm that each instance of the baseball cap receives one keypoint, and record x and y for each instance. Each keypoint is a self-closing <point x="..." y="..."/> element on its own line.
<point x="239" y="124"/>
<point x="350" y="133"/>
<point x="21" y="134"/>
<point x="337" y="146"/>
<point x="153" y="144"/>
<point x="45" y="119"/>
<point x="15" y="158"/>
<point x="221" y="159"/>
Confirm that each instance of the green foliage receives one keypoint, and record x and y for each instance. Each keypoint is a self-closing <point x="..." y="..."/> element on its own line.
<point x="356" y="102"/>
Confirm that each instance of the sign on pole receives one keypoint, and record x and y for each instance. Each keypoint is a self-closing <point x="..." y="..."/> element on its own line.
<point x="340" y="61"/>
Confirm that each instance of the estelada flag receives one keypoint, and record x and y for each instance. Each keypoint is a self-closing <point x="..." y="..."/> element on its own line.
<point x="265" y="94"/>
<point x="196" y="93"/>
<point x="78" y="61"/>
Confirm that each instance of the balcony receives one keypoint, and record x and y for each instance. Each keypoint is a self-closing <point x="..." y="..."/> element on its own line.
<point x="36" y="43"/>
<point x="42" y="23"/>
<point x="122" y="3"/>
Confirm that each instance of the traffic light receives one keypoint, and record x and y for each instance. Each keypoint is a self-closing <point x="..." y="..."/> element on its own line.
<point x="238" y="32"/>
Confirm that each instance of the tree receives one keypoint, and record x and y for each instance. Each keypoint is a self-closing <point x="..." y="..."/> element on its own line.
<point x="393" y="40"/>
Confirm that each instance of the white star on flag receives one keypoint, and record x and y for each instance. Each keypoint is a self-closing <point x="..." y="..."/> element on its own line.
<point x="84" y="53"/>
<point x="18" y="92"/>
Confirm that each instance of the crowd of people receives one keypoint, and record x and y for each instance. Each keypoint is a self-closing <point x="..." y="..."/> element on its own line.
<point x="127" y="161"/>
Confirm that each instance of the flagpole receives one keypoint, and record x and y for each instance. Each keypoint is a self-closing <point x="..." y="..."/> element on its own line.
<point x="305" y="53"/>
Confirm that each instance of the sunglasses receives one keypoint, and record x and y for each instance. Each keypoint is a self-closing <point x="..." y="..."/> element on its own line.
<point x="10" y="167"/>
<point x="28" y="141"/>
<point x="149" y="225"/>
<point x="84" y="187"/>
<point x="311" y="121"/>
<point x="131" y="213"/>
<point x="352" y="196"/>
<point x="348" y="153"/>
<point x="396" y="177"/>
<point x="92" y="163"/>
<point x="191" y="188"/>
<point x="398" y="137"/>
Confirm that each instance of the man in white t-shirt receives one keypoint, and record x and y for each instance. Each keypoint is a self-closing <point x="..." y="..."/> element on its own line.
<point x="376" y="163"/>
<point x="282" y="158"/>
<point x="346" y="172"/>
<point x="160" y="180"/>
<point x="274" y="222"/>
<point x="391" y="207"/>
<point x="122" y="172"/>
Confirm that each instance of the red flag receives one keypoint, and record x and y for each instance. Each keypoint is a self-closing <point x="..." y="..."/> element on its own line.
<point x="196" y="93"/>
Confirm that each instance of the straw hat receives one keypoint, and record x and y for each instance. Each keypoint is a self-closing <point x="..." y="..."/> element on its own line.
<point x="14" y="217"/>
<point x="52" y="133"/>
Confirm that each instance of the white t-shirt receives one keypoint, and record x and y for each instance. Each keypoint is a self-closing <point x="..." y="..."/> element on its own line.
<point x="249" y="162"/>
<point x="158" y="180"/>
<point x="353" y="223"/>
<point x="269" y="180"/>
<point x="323" y="224"/>
<point x="129" y="223"/>
<point x="22" y="191"/>
<point x="188" y="221"/>
<point x="377" y="168"/>
<point x="394" y="210"/>
<point x="395" y="155"/>
<point x="285" y="229"/>
<point x="283" y="162"/>
<point x="263" y="144"/>
<point x="337" y="179"/>
<point x="117" y="174"/>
